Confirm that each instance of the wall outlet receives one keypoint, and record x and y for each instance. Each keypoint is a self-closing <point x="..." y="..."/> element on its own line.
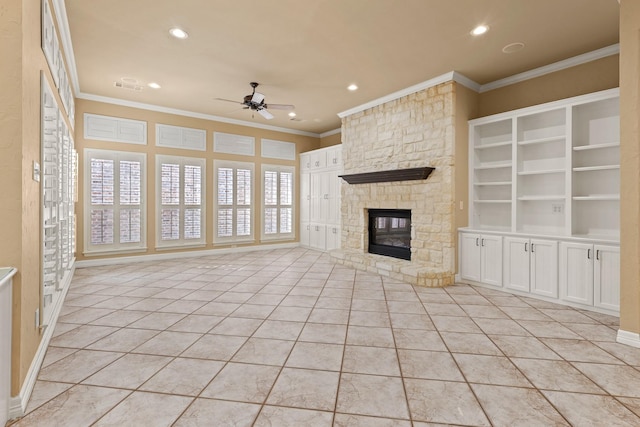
<point x="37" y="318"/>
<point x="557" y="208"/>
<point x="461" y="205"/>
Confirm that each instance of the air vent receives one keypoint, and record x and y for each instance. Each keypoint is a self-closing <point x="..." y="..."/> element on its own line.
<point x="295" y="119"/>
<point x="128" y="86"/>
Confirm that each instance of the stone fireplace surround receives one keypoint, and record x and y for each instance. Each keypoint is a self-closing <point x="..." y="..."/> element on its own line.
<point x="412" y="131"/>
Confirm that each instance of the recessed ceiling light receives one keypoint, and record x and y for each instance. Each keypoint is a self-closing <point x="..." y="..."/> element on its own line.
<point x="178" y="33"/>
<point x="154" y="85"/>
<point x="479" y="30"/>
<point x="352" y="87"/>
<point x="513" y="47"/>
<point x="292" y="114"/>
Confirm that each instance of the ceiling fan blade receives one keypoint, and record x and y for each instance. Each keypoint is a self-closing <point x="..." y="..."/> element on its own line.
<point x="280" y="106"/>
<point x="264" y="113"/>
<point x="257" y="98"/>
<point x="227" y="100"/>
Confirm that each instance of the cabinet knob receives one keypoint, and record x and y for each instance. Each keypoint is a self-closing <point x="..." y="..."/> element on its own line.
<point x="532" y="248"/>
<point x="598" y="254"/>
<point x="317" y="163"/>
<point x="525" y="247"/>
<point x="326" y="196"/>
<point x="482" y="242"/>
<point x="588" y="253"/>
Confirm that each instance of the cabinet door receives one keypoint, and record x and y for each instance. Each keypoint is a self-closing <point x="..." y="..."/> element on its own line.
<point x="325" y="203"/>
<point x="305" y="197"/>
<point x="576" y="272"/>
<point x="316" y="197"/>
<point x="305" y="162"/>
<point x="607" y="277"/>
<point x="516" y="259"/>
<point x="333" y="237"/>
<point x="470" y="256"/>
<point x="305" y="230"/>
<point x="318" y="159"/>
<point x="334" y="157"/>
<point x="317" y="236"/>
<point x="544" y="268"/>
<point x="491" y="260"/>
<point x="334" y="214"/>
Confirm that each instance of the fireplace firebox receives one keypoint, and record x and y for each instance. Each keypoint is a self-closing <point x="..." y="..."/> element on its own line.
<point x="390" y="232"/>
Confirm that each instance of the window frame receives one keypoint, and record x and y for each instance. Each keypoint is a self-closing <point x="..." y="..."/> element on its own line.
<point x="117" y="246"/>
<point x="180" y="242"/>
<point x="234" y="238"/>
<point x="263" y="206"/>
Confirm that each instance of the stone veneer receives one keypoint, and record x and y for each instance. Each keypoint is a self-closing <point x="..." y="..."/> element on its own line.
<point x="412" y="131"/>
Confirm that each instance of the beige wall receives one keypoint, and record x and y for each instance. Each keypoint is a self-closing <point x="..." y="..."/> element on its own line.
<point x="303" y="143"/>
<point x="20" y="71"/>
<point x="630" y="165"/>
<point x="466" y="108"/>
<point x="579" y="80"/>
<point x="330" y="140"/>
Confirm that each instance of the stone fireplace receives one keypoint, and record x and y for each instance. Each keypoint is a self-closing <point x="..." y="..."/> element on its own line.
<point x="412" y="131"/>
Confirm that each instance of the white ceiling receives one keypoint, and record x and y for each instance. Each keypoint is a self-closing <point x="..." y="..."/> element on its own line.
<point x="307" y="52"/>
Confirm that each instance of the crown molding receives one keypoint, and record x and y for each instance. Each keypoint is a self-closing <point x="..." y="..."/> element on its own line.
<point x="450" y="76"/>
<point x="551" y="68"/>
<point x="185" y="113"/>
<point x="330" y="132"/>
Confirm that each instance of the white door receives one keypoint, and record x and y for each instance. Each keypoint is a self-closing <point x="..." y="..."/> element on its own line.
<point x="516" y="259"/>
<point x="305" y="230"/>
<point x="544" y="268"/>
<point x="317" y="236"/>
<point x="305" y="197"/>
<point x="470" y="256"/>
<point x="491" y="260"/>
<point x="606" y="283"/>
<point x="318" y="159"/>
<point x="316" y="196"/>
<point x="334" y="198"/>
<point x="325" y="190"/>
<point x="576" y="272"/>
<point x="333" y="237"/>
<point x="305" y="162"/>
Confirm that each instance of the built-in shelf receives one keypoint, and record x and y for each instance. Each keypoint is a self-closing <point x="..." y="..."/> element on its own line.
<point x="540" y="198"/>
<point x="542" y="140"/>
<point x="493" y="145"/>
<point x="410" y="174"/>
<point x="495" y="183"/>
<point x="541" y="172"/>
<point x="492" y="201"/>
<point x="598" y="197"/>
<point x="596" y="146"/>
<point x="596" y="168"/>
<point x="493" y="166"/>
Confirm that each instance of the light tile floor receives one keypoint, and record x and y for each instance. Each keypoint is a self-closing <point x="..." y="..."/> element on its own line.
<point x="288" y="338"/>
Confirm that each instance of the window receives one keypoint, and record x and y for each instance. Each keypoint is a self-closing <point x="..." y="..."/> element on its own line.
<point x="180" y="198"/>
<point x="233" y="202"/>
<point x="114" y="201"/>
<point x="277" y="192"/>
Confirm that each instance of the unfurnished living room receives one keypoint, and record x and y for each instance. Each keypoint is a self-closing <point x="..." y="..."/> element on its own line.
<point x="330" y="213"/>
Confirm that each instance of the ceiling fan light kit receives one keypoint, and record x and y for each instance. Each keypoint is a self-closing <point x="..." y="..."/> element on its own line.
<point x="255" y="102"/>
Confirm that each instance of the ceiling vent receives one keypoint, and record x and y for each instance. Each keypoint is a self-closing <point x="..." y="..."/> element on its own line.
<point x="129" y="86"/>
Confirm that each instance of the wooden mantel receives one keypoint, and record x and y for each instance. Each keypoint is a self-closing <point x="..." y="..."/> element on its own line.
<point x="410" y="174"/>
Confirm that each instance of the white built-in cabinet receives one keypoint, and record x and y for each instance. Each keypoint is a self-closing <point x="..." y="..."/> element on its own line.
<point x="58" y="176"/>
<point x="483" y="258"/>
<point x="546" y="180"/>
<point x="590" y="274"/>
<point x="320" y="198"/>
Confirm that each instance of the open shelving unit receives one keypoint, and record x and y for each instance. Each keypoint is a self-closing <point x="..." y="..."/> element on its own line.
<point x="552" y="169"/>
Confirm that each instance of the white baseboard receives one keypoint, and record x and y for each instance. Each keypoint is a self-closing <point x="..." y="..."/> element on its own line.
<point x="178" y="255"/>
<point x="18" y="404"/>
<point x="628" y="338"/>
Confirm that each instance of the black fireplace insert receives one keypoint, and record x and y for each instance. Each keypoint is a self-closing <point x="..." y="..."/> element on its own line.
<point x="390" y="232"/>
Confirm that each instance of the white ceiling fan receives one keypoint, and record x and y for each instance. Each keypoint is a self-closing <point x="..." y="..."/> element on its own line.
<point x="255" y="102"/>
